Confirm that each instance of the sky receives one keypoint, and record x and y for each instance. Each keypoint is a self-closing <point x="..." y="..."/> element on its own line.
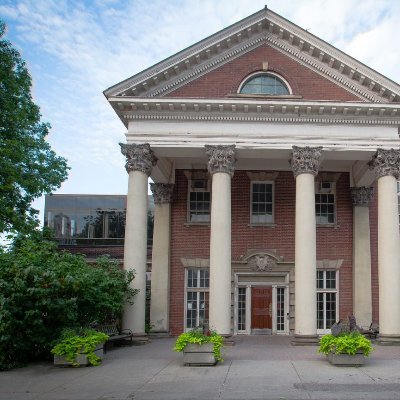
<point x="76" y="49"/>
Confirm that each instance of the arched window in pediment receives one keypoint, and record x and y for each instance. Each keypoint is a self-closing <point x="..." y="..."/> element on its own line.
<point x="267" y="84"/>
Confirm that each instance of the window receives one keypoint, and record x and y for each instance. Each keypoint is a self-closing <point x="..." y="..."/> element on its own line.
<point x="241" y="309"/>
<point x="325" y="203"/>
<point x="262" y="194"/>
<point x="265" y="84"/>
<point x="327" y="303"/>
<point x="280" y="309"/>
<point x="197" y="294"/>
<point x="199" y="204"/>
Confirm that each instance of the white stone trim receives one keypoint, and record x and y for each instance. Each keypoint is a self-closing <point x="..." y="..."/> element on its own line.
<point x="329" y="264"/>
<point x="257" y="110"/>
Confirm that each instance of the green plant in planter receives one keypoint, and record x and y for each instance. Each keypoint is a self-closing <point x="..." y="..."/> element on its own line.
<point x="74" y="342"/>
<point x="346" y="343"/>
<point x="196" y="336"/>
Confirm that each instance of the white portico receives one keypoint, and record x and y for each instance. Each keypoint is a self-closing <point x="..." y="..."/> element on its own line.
<point x="206" y="142"/>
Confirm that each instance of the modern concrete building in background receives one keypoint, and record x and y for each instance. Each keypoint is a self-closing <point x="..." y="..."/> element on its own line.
<point x="275" y="161"/>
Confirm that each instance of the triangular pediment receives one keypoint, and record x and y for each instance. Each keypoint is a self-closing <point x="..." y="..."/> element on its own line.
<point x="262" y="28"/>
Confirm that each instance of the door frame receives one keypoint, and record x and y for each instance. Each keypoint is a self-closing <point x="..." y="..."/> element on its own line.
<point x="247" y="282"/>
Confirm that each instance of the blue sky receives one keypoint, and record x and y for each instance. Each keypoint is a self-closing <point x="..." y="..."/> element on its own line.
<point x="76" y="49"/>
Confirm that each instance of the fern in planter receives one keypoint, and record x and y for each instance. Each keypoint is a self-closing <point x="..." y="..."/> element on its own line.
<point x="196" y="336"/>
<point x="73" y="343"/>
<point x="347" y="343"/>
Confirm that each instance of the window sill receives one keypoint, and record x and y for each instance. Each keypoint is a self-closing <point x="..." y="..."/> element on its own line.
<point x="264" y="96"/>
<point x="335" y="226"/>
<point x="268" y="225"/>
<point x="188" y="224"/>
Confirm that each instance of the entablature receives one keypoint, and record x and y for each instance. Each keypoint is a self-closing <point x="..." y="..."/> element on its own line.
<point x="248" y="110"/>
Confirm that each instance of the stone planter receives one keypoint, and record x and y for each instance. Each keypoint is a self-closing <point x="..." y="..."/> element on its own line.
<point x="81" y="359"/>
<point x="346" y="360"/>
<point x="199" y="355"/>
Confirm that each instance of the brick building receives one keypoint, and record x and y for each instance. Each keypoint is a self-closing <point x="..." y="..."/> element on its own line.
<point x="275" y="160"/>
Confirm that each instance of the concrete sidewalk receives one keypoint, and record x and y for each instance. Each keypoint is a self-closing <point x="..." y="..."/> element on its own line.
<point x="258" y="367"/>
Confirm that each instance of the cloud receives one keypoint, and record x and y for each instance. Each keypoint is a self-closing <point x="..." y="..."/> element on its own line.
<point x="78" y="49"/>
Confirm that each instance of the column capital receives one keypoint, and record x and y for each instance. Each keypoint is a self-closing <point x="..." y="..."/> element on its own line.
<point x="361" y="196"/>
<point x="221" y="159"/>
<point x="162" y="192"/>
<point x="385" y="163"/>
<point x="305" y="160"/>
<point x="139" y="157"/>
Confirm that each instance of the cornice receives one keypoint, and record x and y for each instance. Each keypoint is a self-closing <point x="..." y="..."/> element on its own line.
<point x="262" y="27"/>
<point x="286" y="111"/>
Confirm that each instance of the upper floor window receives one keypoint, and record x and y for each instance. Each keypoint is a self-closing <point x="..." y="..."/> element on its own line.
<point x="325" y="202"/>
<point x="199" y="197"/>
<point x="265" y="84"/>
<point x="262" y="205"/>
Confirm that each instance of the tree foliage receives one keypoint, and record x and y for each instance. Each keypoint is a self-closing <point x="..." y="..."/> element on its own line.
<point x="43" y="291"/>
<point x="28" y="165"/>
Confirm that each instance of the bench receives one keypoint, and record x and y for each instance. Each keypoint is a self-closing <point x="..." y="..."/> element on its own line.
<point x="114" y="335"/>
<point x="372" y="332"/>
<point x="350" y="325"/>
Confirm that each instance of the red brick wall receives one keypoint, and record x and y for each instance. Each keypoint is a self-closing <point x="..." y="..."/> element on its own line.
<point x="226" y="79"/>
<point x="193" y="241"/>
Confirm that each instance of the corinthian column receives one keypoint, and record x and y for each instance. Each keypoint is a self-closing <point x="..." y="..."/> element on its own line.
<point x="305" y="163"/>
<point x="140" y="160"/>
<point x="159" y="305"/>
<point x="362" y="297"/>
<point x="386" y="166"/>
<point x="221" y="160"/>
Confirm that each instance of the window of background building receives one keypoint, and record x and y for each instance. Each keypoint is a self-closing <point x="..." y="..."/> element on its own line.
<point x="262" y="205"/>
<point x="197" y="295"/>
<point x="86" y="219"/>
<point x="199" y="204"/>
<point x="327" y="298"/>
<point x="265" y="84"/>
<point x="325" y="196"/>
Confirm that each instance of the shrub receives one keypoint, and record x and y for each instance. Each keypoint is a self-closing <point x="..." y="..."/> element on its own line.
<point x="350" y="343"/>
<point x="196" y="336"/>
<point x="43" y="291"/>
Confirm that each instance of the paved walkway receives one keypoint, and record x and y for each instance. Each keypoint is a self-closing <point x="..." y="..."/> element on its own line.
<point x="258" y="367"/>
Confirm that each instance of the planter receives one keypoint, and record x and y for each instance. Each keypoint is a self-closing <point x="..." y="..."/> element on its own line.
<point x="346" y="360"/>
<point x="199" y="355"/>
<point x="81" y="358"/>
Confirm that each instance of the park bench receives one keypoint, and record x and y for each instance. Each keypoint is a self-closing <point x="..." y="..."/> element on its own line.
<point x="350" y="325"/>
<point x="114" y="335"/>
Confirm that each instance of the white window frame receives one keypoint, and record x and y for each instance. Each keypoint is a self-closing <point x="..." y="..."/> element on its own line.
<point x="332" y="190"/>
<point x="207" y="189"/>
<point x="324" y="290"/>
<point x="272" y="183"/>
<point x="197" y="290"/>
<point x="260" y="73"/>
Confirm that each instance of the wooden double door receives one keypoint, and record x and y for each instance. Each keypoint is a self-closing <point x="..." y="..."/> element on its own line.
<point x="261" y="307"/>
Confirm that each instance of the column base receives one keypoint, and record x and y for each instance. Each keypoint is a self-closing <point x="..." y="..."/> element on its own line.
<point x="139" y="339"/>
<point x="388" y="340"/>
<point x="159" y="334"/>
<point x="305" y="340"/>
<point x="228" y="340"/>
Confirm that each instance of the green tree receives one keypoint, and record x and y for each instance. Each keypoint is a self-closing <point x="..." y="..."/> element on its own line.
<point x="43" y="291"/>
<point x="28" y="165"/>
